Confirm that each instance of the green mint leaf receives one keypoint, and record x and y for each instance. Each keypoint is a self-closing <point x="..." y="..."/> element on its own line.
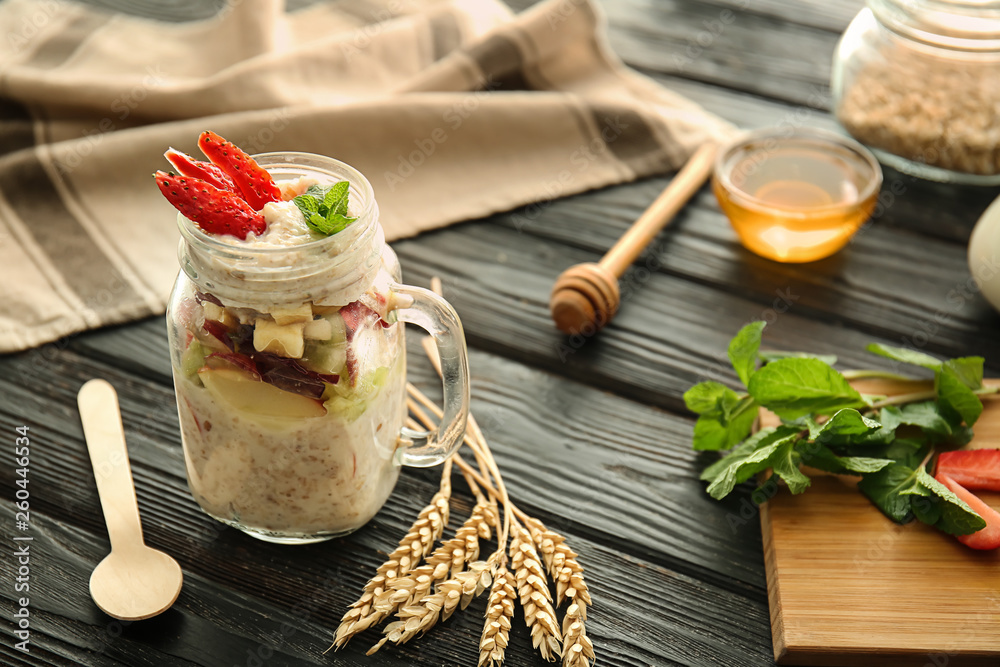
<point x="843" y="426"/>
<point x="935" y="504"/>
<point x="723" y="428"/>
<point x="337" y="222"/>
<point x="767" y="356"/>
<point x="307" y="204"/>
<point x="743" y="350"/>
<point x="967" y="369"/>
<point x="317" y="223"/>
<point x="761" y="438"/>
<point x="955" y="396"/>
<point x="793" y="388"/>
<point x="785" y="464"/>
<point x="905" y="355"/>
<point x="821" y="457"/>
<point x="705" y="396"/>
<point x="725" y="423"/>
<point x="740" y="471"/>
<point x="927" y="415"/>
<point x="325" y="208"/>
<point x="908" y="451"/>
<point x="885" y="489"/>
<point x="336" y="198"/>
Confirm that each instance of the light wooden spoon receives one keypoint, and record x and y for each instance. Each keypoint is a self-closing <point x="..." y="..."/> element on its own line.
<point x="134" y="581"/>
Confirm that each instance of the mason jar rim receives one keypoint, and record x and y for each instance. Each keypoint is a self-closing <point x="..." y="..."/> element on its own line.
<point x="192" y="232"/>
<point x="337" y="268"/>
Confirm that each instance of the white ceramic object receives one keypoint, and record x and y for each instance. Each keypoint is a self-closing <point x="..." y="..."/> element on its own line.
<point x="984" y="254"/>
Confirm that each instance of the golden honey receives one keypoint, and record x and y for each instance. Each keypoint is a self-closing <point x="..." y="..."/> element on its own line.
<point x="798" y="198"/>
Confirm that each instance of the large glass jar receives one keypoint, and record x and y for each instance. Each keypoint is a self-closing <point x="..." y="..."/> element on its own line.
<point x="289" y="367"/>
<point x="918" y="82"/>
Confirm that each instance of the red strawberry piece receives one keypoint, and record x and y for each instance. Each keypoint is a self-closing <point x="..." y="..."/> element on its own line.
<point x="205" y="171"/>
<point x="972" y="468"/>
<point x="215" y="211"/>
<point x="988" y="537"/>
<point x="252" y="180"/>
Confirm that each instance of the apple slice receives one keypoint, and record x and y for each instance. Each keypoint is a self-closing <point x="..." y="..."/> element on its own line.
<point x="242" y="392"/>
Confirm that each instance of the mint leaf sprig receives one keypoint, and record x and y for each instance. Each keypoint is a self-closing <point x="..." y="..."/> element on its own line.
<point x="828" y="425"/>
<point x="325" y="208"/>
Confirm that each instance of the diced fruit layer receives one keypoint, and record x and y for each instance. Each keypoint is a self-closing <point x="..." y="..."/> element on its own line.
<point x="252" y="180"/>
<point x="215" y="211"/>
<point x="283" y="340"/>
<point x="972" y="468"/>
<point x="243" y="392"/>
<point x="988" y="537"/>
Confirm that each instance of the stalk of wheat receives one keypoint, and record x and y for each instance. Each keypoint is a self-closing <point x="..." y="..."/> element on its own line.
<point x="562" y="565"/>
<point x="419" y="617"/>
<point x="412" y="548"/>
<point x="533" y="590"/>
<point x="451" y="556"/>
<point x="499" y="612"/>
<point x="578" y="650"/>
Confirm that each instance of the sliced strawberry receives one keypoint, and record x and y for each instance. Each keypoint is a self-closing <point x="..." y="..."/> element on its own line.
<point x="205" y="171"/>
<point x="972" y="468"/>
<point x="988" y="537"/>
<point x="252" y="180"/>
<point x="215" y="211"/>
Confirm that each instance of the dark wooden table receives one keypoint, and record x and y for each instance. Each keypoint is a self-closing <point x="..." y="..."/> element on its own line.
<point x="593" y="438"/>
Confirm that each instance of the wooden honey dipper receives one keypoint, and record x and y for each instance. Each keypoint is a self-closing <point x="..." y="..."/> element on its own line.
<point x="585" y="297"/>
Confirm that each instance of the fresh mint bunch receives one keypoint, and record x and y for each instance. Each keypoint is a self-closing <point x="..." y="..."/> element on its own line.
<point x="325" y="209"/>
<point x="828" y="425"/>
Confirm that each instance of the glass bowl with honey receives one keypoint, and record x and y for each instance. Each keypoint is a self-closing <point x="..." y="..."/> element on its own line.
<point x="796" y="195"/>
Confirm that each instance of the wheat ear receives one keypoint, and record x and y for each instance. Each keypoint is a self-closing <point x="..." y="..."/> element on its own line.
<point x="578" y="650"/>
<point x="419" y="617"/>
<point x="563" y="566"/>
<point x="499" y="612"/>
<point x="451" y="556"/>
<point x="418" y="541"/>
<point x="533" y="589"/>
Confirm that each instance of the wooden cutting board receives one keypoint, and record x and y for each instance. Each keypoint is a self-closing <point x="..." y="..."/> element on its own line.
<point x="847" y="586"/>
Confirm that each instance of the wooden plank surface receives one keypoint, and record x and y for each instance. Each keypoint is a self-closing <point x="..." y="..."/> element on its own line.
<point x="846" y="584"/>
<point x="592" y="435"/>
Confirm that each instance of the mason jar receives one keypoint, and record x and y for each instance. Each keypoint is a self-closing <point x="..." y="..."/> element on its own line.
<point x="918" y="82"/>
<point x="290" y="370"/>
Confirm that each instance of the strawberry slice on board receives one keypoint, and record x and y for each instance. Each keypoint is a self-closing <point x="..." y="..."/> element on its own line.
<point x="215" y="211"/>
<point x="252" y="180"/>
<point x="987" y="538"/>
<point x="199" y="169"/>
<point x="972" y="468"/>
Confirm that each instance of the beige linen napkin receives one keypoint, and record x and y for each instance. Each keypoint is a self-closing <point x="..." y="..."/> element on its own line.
<point x="453" y="110"/>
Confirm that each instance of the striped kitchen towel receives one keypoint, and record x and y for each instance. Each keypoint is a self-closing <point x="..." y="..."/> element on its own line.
<point x="453" y="109"/>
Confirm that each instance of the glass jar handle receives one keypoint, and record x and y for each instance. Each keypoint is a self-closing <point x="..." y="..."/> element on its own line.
<point x="432" y="313"/>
